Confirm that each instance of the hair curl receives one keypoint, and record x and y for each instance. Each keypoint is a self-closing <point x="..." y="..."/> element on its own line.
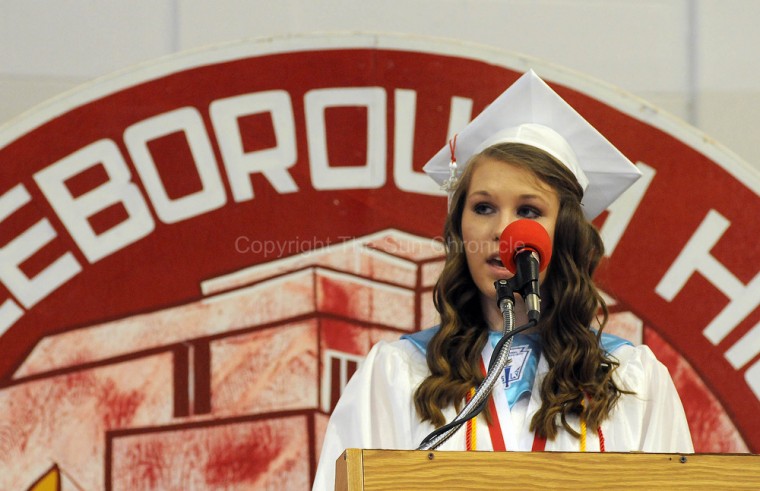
<point x="578" y="367"/>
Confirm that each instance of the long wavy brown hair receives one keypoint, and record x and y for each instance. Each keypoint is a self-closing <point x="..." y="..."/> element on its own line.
<point x="578" y="367"/>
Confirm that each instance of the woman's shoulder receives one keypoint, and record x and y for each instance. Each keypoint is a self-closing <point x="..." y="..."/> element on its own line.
<point x="421" y="339"/>
<point x="638" y="367"/>
<point x="401" y="355"/>
<point x="633" y="355"/>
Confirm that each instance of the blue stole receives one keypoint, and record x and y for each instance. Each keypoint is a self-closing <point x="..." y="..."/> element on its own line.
<point x="525" y="352"/>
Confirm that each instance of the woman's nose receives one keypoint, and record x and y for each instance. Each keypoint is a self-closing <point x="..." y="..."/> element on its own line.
<point x="502" y="223"/>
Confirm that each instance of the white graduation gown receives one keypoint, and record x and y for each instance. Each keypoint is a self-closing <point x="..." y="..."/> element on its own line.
<point x="377" y="411"/>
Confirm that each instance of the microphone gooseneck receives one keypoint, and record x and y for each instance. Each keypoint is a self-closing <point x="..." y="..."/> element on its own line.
<point x="478" y="402"/>
<point x="506" y="302"/>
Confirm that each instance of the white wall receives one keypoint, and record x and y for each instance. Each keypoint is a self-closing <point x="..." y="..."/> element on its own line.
<point x="694" y="58"/>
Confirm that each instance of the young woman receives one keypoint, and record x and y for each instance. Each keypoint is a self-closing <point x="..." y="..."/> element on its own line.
<point x="568" y="387"/>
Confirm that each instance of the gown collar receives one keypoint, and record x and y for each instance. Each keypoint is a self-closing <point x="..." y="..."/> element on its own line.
<point x="421" y="339"/>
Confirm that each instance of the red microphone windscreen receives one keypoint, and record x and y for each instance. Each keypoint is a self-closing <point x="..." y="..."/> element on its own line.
<point x="525" y="234"/>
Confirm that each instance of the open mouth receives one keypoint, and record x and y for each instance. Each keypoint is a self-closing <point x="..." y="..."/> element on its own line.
<point x="495" y="261"/>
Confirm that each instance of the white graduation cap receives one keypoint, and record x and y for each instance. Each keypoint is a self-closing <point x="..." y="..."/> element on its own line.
<point x="530" y="112"/>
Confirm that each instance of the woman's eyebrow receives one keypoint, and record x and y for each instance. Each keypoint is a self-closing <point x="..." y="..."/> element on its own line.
<point x="526" y="196"/>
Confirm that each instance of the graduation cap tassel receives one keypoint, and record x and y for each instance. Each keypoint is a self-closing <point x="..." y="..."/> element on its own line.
<point x="450" y="184"/>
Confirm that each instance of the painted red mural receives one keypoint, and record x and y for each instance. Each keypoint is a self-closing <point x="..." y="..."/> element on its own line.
<point x="196" y="255"/>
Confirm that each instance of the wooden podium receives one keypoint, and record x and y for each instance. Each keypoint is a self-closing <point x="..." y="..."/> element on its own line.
<point x="371" y="470"/>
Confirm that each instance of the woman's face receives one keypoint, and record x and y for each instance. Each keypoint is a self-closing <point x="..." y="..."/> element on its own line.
<point x="500" y="193"/>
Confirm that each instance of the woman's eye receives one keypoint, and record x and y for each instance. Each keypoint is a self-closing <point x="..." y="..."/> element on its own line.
<point x="528" y="212"/>
<point x="482" y="208"/>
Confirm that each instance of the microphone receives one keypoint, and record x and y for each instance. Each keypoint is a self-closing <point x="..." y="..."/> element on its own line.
<point x="525" y="249"/>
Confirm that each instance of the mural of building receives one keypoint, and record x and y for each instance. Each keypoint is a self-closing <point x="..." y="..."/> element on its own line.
<point x="233" y="391"/>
